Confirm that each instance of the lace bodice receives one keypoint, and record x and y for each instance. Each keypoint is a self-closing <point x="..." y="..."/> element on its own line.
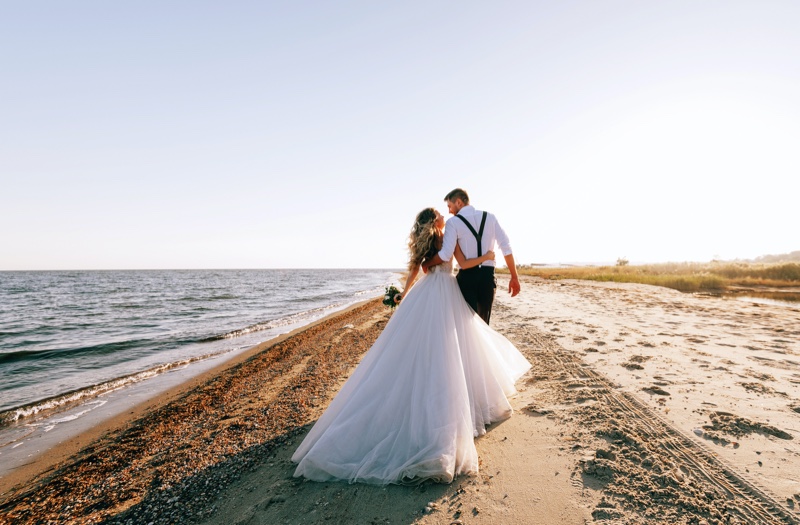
<point x="445" y="267"/>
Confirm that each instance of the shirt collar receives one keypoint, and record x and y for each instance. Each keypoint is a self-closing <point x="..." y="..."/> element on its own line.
<point x="469" y="209"/>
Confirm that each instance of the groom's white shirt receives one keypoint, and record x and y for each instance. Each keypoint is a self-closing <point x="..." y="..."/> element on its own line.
<point x="455" y="231"/>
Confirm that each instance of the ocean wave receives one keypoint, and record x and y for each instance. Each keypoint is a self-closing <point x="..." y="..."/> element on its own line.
<point x="219" y="297"/>
<point x="66" y="400"/>
<point x="14" y="290"/>
<point x="65" y="330"/>
<point x="275" y="323"/>
<point x="129" y="306"/>
<point x="49" y="353"/>
<point x="21" y="355"/>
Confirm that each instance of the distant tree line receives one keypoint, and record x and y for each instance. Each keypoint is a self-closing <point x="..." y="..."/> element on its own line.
<point x="784" y="257"/>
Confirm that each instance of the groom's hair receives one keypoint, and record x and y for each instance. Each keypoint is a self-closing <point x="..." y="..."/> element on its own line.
<point x="457" y="193"/>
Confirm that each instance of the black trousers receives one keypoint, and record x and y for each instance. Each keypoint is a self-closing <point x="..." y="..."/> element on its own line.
<point x="478" y="286"/>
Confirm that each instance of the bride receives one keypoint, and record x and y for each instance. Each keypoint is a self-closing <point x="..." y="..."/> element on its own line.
<point x="433" y="380"/>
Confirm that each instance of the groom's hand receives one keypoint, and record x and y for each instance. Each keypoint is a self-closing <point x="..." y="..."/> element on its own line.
<point x="513" y="284"/>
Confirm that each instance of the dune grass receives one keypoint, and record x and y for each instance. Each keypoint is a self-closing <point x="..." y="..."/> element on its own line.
<point x="686" y="277"/>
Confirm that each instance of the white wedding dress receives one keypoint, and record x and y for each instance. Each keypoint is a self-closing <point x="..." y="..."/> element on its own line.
<point x="433" y="380"/>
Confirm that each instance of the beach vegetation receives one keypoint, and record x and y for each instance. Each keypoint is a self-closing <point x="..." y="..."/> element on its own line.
<point x="779" y="258"/>
<point x="687" y="277"/>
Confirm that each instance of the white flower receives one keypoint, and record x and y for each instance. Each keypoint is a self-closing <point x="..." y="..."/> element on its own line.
<point x="385" y="297"/>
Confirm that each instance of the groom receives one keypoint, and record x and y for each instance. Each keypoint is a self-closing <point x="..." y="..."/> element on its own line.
<point x="476" y="232"/>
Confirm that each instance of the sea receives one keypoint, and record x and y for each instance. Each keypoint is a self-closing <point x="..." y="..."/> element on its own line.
<point x="79" y="346"/>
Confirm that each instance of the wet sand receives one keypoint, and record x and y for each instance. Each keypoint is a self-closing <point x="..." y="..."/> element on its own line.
<point x="644" y="405"/>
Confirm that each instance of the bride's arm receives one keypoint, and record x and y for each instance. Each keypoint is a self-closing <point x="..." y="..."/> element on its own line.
<point x="464" y="263"/>
<point x="410" y="280"/>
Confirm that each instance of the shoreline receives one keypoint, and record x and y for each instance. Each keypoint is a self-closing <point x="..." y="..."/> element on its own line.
<point x="614" y="423"/>
<point x="47" y="459"/>
<point x="133" y="326"/>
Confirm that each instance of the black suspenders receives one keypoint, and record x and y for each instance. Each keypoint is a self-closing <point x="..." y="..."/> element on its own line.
<point x="478" y="234"/>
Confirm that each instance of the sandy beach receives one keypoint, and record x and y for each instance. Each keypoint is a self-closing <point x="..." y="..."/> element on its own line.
<point x="644" y="405"/>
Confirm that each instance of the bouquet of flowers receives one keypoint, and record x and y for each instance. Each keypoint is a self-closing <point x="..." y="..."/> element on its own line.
<point x="392" y="297"/>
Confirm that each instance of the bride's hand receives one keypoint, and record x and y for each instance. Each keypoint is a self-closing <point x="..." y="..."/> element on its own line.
<point x="489" y="256"/>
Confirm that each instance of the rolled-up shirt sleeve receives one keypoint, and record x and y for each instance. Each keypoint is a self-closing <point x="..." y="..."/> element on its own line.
<point x="501" y="237"/>
<point x="449" y="240"/>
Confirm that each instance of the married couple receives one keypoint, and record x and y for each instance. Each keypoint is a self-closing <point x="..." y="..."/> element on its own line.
<point x="436" y="376"/>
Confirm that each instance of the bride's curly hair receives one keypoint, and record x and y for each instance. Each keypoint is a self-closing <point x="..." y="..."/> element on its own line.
<point x="423" y="239"/>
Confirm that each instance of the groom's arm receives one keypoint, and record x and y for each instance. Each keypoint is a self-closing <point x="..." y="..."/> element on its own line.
<point x="505" y="247"/>
<point x="433" y="261"/>
<point x="513" y="284"/>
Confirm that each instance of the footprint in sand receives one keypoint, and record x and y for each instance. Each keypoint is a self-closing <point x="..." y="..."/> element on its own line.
<point x="760" y="376"/>
<point x="760" y="388"/>
<point x="784" y="364"/>
<point x="635" y="360"/>
<point x="656" y="390"/>
<point x="536" y="411"/>
<point x="738" y="426"/>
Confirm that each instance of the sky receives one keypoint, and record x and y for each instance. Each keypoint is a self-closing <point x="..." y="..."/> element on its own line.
<point x="251" y="134"/>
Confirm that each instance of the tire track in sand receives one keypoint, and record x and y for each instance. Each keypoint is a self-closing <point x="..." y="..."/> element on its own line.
<point x="642" y="466"/>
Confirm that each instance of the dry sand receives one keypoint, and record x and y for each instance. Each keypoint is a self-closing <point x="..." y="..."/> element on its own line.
<point x="644" y="405"/>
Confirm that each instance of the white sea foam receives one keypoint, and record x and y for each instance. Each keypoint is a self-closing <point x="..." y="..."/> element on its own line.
<point x="55" y="404"/>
